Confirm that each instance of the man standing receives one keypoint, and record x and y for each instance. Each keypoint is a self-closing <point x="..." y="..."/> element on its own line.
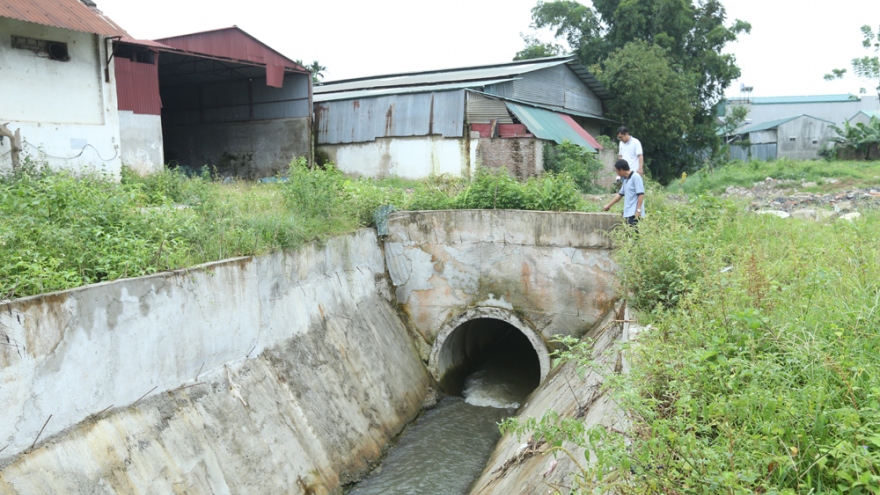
<point x="630" y="149"/>
<point x="632" y="190"/>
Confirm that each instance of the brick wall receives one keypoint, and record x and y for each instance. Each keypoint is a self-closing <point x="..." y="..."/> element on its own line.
<point x="521" y="156"/>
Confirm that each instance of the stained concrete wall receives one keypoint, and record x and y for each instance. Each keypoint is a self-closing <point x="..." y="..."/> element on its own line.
<point x="416" y="157"/>
<point x="141" y="142"/>
<point x="66" y="111"/>
<point x="261" y="148"/>
<point x="266" y="375"/>
<point x="553" y="269"/>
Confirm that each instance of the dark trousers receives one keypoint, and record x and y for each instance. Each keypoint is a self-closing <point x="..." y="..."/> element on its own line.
<point x="633" y="220"/>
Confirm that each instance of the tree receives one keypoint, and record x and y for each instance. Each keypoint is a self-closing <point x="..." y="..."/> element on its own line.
<point x="686" y="37"/>
<point x="316" y="69"/>
<point x="867" y="67"/>
<point x="656" y="98"/>
<point x="535" y="48"/>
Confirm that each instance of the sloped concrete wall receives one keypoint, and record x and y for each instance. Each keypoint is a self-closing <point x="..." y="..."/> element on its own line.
<point x="286" y="373"/>
<point x="553" y="269"/>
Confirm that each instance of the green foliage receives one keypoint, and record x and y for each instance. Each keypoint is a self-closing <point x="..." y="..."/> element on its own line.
<point x="867" y="67"/>
<point x="858" y="141"/>
<point x="316" y="69"/>
<point x="684" y="45"/>
<point x="760" y="376"/>
<point x="654" y="97"/>
<point x="746" y="174"/>
<point x="58" y="231"/>
<point x="574" y="160"/>
<point x="536" y="48"/>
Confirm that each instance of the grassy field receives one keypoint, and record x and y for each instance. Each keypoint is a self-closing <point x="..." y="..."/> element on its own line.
<point x="760" y="374"/>
<point x="849" y="175"/>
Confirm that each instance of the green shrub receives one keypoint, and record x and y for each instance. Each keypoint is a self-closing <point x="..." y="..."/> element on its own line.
<point x="574" y="160"/>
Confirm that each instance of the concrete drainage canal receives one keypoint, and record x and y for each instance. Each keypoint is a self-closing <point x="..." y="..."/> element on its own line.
<point x="487" y="367"/>
<point x="301" y="372"/>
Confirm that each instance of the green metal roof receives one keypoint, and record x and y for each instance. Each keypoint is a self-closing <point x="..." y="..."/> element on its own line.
<point x="870" y="113"/>
<point x="772" y="124"/>
<point x="776" y="100"/>
<point x="547" y="125"/>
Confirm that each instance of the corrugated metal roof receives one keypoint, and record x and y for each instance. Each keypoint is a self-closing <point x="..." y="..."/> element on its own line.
<point x="65" y="14"/>
<point x="546" y="107"/>
<point x="368" y="93"/>
<point x="474" y="73"/>
<point x="147" y="43"/>
<point x="453" y="75"/>
<point x="778" y="100"/>
<point x="548" y="125"/>
<point x="772" y="124"/>
<point x="870" y="113"/>
<point x="231" y="43"/>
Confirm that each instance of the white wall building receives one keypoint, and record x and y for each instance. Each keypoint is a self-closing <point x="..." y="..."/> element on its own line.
<point x="57" y="87"/>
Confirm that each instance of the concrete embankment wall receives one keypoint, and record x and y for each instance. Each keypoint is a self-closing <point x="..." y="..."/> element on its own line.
<point x="286" y="373"/>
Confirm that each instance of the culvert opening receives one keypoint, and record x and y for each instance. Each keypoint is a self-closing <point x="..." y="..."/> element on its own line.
<point x="488" y="366"/>
<point x="489" y="362"/>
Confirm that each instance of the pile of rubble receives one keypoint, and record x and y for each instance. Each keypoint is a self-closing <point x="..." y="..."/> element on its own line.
<point x="782" y="198"/>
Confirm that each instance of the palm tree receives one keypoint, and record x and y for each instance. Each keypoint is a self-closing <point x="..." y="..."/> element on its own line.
<point x="316" y="69"/>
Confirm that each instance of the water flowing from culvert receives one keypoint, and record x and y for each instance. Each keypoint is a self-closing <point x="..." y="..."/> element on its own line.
<point x="445" y="449"/>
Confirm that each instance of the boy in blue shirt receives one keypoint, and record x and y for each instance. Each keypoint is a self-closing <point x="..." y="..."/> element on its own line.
<point x="632" y="190"/>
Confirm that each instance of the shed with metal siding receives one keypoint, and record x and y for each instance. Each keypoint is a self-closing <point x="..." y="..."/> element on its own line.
<point x="797" y="137"/>
<point x="366" y="119"/>
<point x="225" y="100"/>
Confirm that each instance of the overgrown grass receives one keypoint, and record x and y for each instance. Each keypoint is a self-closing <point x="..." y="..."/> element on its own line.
<point x="760" y="374"/>
<point x="58" y="231"/>
<point x="745" y="174"/>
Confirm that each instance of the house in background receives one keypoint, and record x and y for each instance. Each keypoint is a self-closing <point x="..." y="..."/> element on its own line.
<point x="799" y="137"/>
<point x="57" y="88"/>
<point x="864" y="117"/>
<point x="220" y="98"/>
<point x="836" y="108"/>
<point x="419" y="124"/>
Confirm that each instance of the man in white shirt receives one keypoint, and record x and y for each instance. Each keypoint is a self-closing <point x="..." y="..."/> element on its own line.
<point x="630" y="149"/>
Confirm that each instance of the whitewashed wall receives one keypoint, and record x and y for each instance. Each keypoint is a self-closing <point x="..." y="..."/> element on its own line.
<point x="141" y="142"/>
<point x="407" y="157"/>
<point x="66" y="111"/>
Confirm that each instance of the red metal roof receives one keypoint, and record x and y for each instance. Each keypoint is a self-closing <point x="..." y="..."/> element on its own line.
<point x="66" y="14"/>
<point x="232" y="43"/>
<point x="580" y="130"/>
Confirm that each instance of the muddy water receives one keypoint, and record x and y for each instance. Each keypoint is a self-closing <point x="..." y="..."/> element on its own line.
<point x="444" y="450"/>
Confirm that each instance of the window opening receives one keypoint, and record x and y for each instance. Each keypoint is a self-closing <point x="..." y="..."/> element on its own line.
<point x="53" y="50"/>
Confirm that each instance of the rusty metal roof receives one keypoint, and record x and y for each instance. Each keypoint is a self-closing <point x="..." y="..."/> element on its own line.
<point x="231" y="43"/>
<point x="473" y="73"/>
<point x="65" y="14"/>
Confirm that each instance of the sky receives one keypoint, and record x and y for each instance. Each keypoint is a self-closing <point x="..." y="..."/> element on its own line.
<point x="793" y="43"/>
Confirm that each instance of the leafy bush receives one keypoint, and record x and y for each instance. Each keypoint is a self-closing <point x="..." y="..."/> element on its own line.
<point x="571" y="159"/>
